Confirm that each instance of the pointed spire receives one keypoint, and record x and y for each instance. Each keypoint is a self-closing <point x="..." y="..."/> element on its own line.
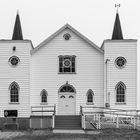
<point x="117" y="31"/>
<point x="17" y="33"/>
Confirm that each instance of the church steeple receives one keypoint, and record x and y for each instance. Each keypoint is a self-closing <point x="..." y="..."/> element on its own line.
<point x="117" y="31"/>
<point x="17" y="33"/>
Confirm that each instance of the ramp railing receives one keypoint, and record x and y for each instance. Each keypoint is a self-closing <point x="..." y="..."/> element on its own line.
<point x="101" y="118"/>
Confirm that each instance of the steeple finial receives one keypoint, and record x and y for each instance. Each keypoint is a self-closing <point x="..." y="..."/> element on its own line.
<point x="117" y="6"/>
<point x="17" y="33"/>
<point x="17" y="12"/>
<point x="117" y="31"/>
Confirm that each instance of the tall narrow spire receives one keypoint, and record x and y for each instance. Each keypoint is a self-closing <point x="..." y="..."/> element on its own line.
<point x="117" y="31"/>
<point x="17" y="33"/>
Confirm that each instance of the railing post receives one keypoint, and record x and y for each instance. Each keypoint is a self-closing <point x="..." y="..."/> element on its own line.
<point x="84" y="121"/>
<point x="31" y="110"/>
<point x="99" y="122"/>
<point x="53" y="121"/>
<point x="117" y="122"/>
<point x="81" y="110"/>
<point x="53" y="117"/>
<point x="134" y="122"/>
<point x="54" y="109"/>
<point x="131" y="120"/>
<point x="41" y="122"/>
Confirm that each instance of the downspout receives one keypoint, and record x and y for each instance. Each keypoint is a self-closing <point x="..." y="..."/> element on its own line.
<point x="107" y="104"/>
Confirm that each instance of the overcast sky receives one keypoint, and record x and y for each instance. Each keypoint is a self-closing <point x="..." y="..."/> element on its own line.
<point x="93" y="18"/>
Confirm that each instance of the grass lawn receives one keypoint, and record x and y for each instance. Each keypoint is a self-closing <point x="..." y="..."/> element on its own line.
<point x="108" y="134"/>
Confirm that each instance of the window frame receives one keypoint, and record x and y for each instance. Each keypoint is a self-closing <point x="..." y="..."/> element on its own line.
<point x="44" y="92"/>
<point x="18" y="89"/>
<point x="11" y="63"/>
<point x="90" y="91"/>
<point x="124" y="87"/>
<point x="63" y="56"/>
<point x="120" y="67"/>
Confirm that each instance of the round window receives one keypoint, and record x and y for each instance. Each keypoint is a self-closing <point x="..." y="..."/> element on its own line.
<point x="66" y="36"/>
<point x="120" y="62"/>
<point x="14" y="60"/>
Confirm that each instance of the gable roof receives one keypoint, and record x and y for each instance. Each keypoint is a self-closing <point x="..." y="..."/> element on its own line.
<point x="60" y="30"/>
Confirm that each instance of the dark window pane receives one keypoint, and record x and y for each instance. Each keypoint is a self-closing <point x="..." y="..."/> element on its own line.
<point x="60" y="64"/>
<point x="66" y="69"/>
<point x="60" y="70"/>
<point x="73" y="59"/>
<point x="73" y="69"/>
<point x="60" y="59"/>
<point x="73" y="64"/>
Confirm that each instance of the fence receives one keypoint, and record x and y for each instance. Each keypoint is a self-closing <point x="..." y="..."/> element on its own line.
<point x="42" y="116"/>
<point x="102" y="118"/>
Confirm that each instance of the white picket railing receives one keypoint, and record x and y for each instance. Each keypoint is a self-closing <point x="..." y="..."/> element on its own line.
<point x="102" y="118"/>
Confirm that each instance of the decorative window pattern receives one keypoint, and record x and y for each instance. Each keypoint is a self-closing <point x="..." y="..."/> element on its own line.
<point x="90" y="96"/>
<point x="14" y="60"/>
<point x="44" y="95"/>
<point x="14" y="92"/>
<point x="120" y="62"/>
<point x="67" y="64"/>
<point x="120" y="92"/>
<point x="66" y="88"/>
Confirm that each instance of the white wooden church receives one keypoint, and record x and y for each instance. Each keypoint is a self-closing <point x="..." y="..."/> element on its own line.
<point x="67" y="71"/>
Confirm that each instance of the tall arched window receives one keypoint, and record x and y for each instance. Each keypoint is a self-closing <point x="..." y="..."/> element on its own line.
<point x="44" y="95"/>
<point x="120" y="92"/>
<point x="14" y="92"/>
<point x="90" y="96"/>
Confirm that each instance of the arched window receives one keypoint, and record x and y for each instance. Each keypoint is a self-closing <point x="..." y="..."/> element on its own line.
<point x="67" y="88"/>
<point x="44" y="95"/>
<point x="120" y="92"/>
<point x="14" y="92"/>
<point x="90" y="96"/>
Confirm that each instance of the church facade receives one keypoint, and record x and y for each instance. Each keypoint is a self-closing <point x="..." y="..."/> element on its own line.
<point x="67" y="70"/>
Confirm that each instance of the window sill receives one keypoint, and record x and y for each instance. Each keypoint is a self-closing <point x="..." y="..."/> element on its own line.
<point x="120" y="103"/>
<point x="14" y="103"/>
<point x="43" y="103"/>
<point x="89" y="103"/>
<point x="66" y="72"/>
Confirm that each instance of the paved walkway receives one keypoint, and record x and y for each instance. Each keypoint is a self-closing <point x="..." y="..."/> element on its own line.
<point x="6" y="135"/>
<point x="69" y="131"/>
<point x="11" y="134"/>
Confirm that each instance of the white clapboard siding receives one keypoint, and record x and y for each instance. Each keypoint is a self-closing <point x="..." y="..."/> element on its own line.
<point x="89" y="70"/>
<point x="19" y="74"/>
<point x="128" y="74"/>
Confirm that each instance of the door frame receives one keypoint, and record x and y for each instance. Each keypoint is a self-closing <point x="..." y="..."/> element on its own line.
<point x="66" y="93"/>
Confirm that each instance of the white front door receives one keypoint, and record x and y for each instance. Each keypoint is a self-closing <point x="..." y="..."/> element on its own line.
<point x="66" y="104"/>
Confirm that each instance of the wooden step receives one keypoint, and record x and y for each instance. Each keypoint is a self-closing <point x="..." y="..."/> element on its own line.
<point x="68" y="122"/>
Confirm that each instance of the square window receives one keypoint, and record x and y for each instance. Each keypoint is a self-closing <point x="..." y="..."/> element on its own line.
<point x="67" y="64"/>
